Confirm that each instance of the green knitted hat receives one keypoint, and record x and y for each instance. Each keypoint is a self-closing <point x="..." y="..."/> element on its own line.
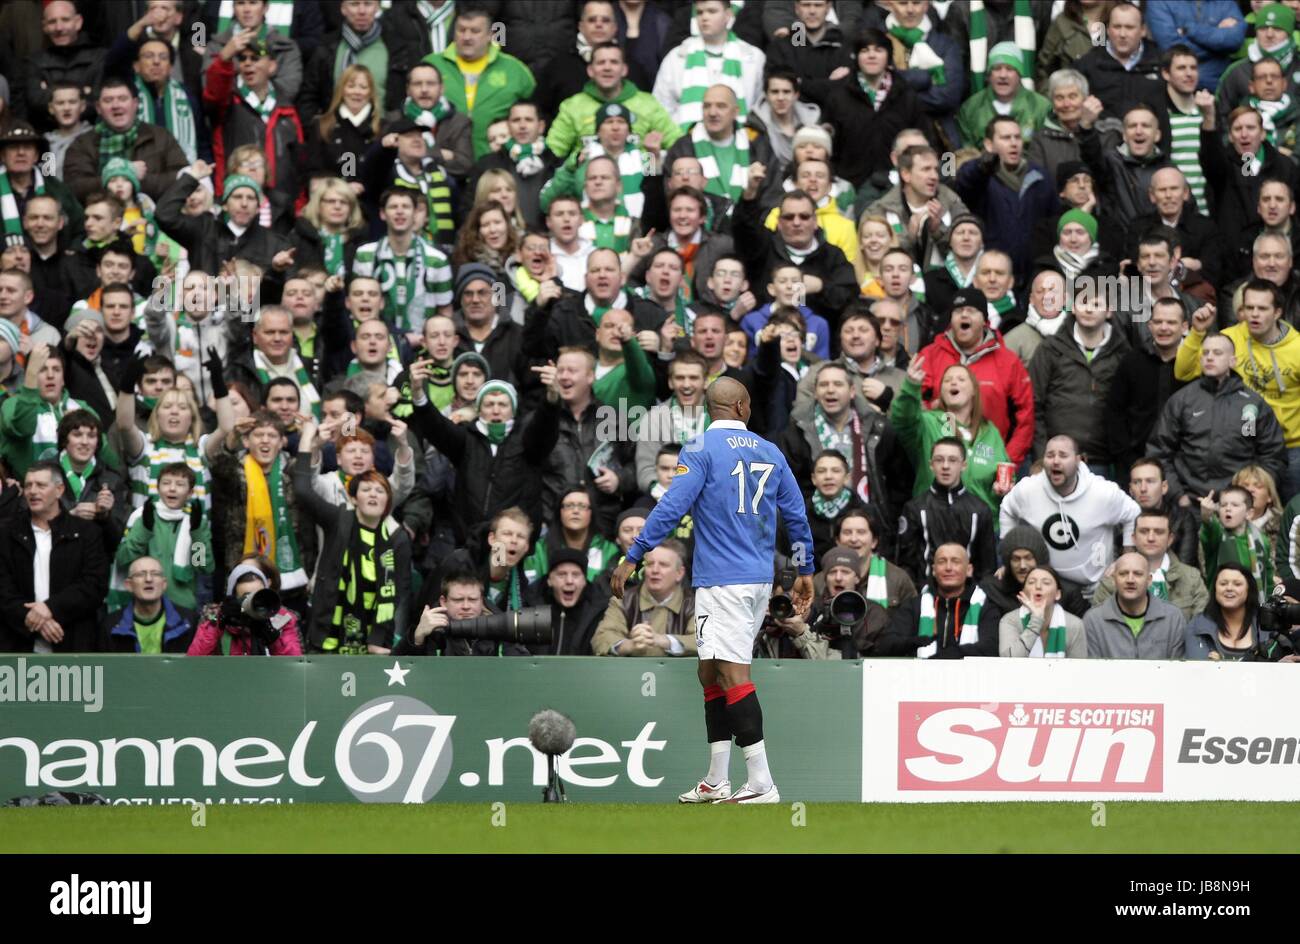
<point x="1086" y="220"/>
<point x="1277" y="15"/>
<point x="235" y="181"/>
<point x="1007" y="54"/>
<point x="119" y="167"/>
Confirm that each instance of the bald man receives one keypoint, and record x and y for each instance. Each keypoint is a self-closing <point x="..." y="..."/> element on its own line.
<point x="1134" y="623"/>
<point x="732" y="482"/>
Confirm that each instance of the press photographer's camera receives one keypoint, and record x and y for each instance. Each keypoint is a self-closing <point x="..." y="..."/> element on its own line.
<point x="1276" y="615"/>
<point x="252" y="614"/>
<point x="529" y="626"/>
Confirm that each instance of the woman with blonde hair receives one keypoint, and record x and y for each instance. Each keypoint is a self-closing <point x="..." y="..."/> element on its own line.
<point x="875" y="238"/>
<point x="500" y="186"/>
<point x="345" y="130"/>
<point x="958" y="414"/>
<point x="1265" y="510"/>
<point x="328" y="231"/>
<point x="174" y="434"/>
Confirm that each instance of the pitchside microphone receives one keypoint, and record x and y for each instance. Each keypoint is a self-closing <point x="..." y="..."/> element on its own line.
<point x="552" y="733"/>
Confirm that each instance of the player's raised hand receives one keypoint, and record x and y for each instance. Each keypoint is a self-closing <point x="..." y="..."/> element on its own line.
<point x="802" y="594"/>
<point x="618" y="579"/>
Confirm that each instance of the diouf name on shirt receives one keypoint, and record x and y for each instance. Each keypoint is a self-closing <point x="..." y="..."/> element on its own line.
<point x="735" y="442"/>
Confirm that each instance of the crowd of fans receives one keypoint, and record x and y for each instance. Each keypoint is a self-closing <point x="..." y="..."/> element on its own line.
<point x="405" y="310"/>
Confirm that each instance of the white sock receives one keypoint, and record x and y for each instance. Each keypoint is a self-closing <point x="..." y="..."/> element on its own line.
<point x="719" y="762"/>
<point x="760" y="778"/>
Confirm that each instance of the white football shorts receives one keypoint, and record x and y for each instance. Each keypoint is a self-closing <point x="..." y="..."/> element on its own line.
<point x="728" y="619"/>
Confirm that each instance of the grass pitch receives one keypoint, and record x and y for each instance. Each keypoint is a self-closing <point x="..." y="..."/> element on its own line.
<point x="1133" y="827"/>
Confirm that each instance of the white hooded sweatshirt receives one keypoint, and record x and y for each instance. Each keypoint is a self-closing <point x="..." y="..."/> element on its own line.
<point x="1079" y="528"/>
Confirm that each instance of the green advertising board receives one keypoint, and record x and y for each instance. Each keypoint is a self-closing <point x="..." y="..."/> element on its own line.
<point x="161" y="729"/>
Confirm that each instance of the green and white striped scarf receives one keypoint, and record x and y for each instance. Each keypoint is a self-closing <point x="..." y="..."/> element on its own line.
<point x="144" y="472"/>
<point x="279" y="15"/>
<point x="631" y="170"/>
<point x="613" y="234"/>
<point x="841" y="441"/>
<point x="177" y="116"/>
<point x="954" y="270"/>
<point x="968" y="635"/>
<point x="999" y="307"/>
<point x="332" y="246"/>
<point x="1026" y="40"/>
<point x="264" y="108"/>
<point x="696" y="80"/>
<point x="1283" y="54"/>
<point x="13" y="220"/>
<point x="830" y="508"/>
<point x="1275" y="114"/>
<point x="1055" y="634"/>
<point x="1159" y="585"/>
<point x="438" y="20"/>
<point x="706" y="152"/>
<point x="306" y="389"/>
<point x="527" y="157"/>
<point x="686" y="428"/>
<point x="1185" y="151"/>
<point x="877" y="583"/>
<point x="76" y="480"/>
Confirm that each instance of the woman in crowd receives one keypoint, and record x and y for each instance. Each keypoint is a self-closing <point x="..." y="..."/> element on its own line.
<point x="1041" y="628"/>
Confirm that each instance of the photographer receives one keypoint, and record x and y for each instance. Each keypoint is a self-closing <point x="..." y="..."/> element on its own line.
<point x="235" y="627"/>
<point x="461" y="599"/>
<point x="1231" y="630"/>
<point x="576" y="603"/>
<point x="817" y="637"/>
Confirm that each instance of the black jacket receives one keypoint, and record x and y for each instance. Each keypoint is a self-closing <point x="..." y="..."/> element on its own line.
<point x="1202" y="238"/>
<point x="1234" y="195"/>
<point x="1002" y="596"/>
<point x="566" y="322"/>
<point x="864" y="136"/>
<point x="1117" y="87"/>
<point x="305" y="238"/>
<point x="337" y="522"/>
<point x="902" y="637"/>
<point x="113" y="525"/>
<point x="487" y="483"/>
<point x="572" y="626"/>
<point x="1070" y="391"/>
<point x="57" y="282"/>
<point x="210" y="241"/>
<point x="503" y="347"/>
<point x="339" y="153"/>
<point x="48" y="66"/>
<point x="813" y="61"/>
<point x="78" y="582"/>
<point x="763" y="250"/>
<point x="945" y="516"/>
<point x="1138" y="392"/>
<point x="1122" y="181"/>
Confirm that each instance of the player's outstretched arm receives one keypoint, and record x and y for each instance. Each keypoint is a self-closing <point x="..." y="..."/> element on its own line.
<point x="687" y="483"/>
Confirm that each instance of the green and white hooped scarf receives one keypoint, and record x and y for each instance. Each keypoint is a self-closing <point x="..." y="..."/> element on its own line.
<point x="527" y="157"/>
<point x="696" y="79"/>
<point x="631" y="170"/>
<point x="954" y="270"/>
<point x="1159" y="585"/>
<point x="177" y="116"/>
<point x="306" y="389"/>
<point x="687" y="428"/>
<point x="707" y="154"/>
<point x="1025" y="38"/>
<point x="264" y="107"/>
<point x="279" y="16"/>
<point x="146" y="470"/>
<point x="1284" y="54"/>
<point x="877" y="581"/>
<point x="1275" y="114"/>
<point x="428" y="117"/>
<point x="76" y="480"/>
<point x="998" y="308"/>
<point x="613" y="234"/>
<point x="919" y="53"/>
<point x="830" y="508"/>
<point x="13" y="221"/>
<point x="1055" y="634"/>
<point x="332" y="247"/>
<point x="968" y="635"/>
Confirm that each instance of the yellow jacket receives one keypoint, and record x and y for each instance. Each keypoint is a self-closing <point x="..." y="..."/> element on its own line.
<point x="1271" y="370"/>
<point x="839" y="229"/>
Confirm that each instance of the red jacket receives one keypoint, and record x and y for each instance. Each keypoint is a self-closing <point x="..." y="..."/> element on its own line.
<point x="1006" y="393"/>
<point x="207" y="639"/>
<point x="234" y="123"/>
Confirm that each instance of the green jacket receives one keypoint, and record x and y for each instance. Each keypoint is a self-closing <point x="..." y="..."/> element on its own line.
<point x="1028" y="108"/>
<point x="160" y="544"/>
<point x="29" y="425"/>
<point x="632" y="381"/>
<point x="576" y="119"/>
<point x="918" y="430"/>
<point x="1252" y="550"/>
<point x="503" y="82"/>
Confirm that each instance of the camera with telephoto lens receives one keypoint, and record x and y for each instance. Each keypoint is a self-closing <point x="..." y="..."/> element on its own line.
<point x="1282" y="619"/>
<point x="530" y="626"/>
<point x="847" y="609"/>
<point x="251" y="615"/>
<point x="780" y="606"/>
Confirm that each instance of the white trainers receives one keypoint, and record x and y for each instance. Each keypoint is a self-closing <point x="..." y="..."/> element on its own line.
<point x="746" y="795"/>
<point x="704" y="792"/>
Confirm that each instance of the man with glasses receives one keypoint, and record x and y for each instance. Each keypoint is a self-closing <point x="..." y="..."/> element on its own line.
<point x="828" y="278"/>
<point x="150" y="624"/>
